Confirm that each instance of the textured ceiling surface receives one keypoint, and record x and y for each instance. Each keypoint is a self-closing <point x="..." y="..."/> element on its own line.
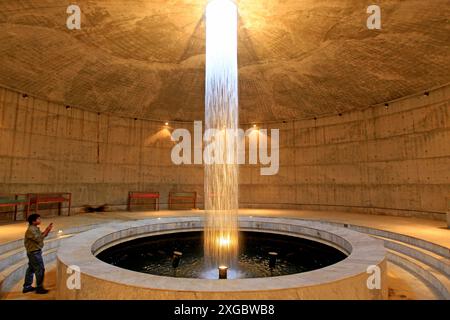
<point x="297" y="58"/>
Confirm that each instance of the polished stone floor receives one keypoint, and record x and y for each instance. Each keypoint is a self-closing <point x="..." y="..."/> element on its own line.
<point x="430" y="230"/>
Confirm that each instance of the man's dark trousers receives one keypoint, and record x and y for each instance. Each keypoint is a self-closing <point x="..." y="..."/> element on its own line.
<point x="35" y="267"/>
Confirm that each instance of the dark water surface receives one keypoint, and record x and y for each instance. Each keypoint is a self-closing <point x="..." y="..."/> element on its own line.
<point x="153" y="255"/>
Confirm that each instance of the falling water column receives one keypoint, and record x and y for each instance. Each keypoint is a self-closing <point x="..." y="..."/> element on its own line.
<point x="221" y="115"/>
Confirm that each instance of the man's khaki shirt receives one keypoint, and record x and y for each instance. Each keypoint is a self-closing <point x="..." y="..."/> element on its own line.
<point x="34" y="240"/>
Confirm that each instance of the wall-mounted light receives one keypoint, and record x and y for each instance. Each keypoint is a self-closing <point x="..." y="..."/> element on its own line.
<point x="166" y="124"/>
<point x="67" y="107"/>
<point x="426" y="94"/>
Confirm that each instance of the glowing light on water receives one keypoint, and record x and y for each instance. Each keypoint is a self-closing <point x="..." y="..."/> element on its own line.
<point x="221" y="112"/>
<point x="213" y="274"/>
<point x="223" y="242"/>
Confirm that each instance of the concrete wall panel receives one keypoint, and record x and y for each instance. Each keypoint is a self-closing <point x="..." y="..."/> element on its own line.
<point x="392" y="160"/>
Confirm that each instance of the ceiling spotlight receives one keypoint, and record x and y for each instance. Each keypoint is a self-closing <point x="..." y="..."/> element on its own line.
<point x="166" y="124"/>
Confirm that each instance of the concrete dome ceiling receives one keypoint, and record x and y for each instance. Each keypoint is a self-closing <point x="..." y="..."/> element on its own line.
<point x="297" y="58"/>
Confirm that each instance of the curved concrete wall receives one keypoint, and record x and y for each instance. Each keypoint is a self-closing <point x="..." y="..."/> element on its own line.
<point x="45" y="147"/>
<point x="392" y="160"/>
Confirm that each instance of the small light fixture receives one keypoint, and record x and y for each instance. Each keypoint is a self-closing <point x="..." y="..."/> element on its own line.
<point x="223" y="272"/>
<point x="60" y="233"/>
<point x="25" y="96"/>
<point x="176" y="259"/>
<point x="272" y="259"/>
<point x="166" y="124"/>
<point x="67" y="107"/>
<point x="386" y="105"/>
<point x="426" y="94"/>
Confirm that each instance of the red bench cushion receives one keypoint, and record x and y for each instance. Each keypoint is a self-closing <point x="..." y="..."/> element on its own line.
<point x="49" y="199"/>
<point x="144" y="196"/>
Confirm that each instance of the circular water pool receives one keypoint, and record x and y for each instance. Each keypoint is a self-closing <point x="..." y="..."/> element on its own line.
<point x="346" y="279"/>
<point x="154" y="255"/>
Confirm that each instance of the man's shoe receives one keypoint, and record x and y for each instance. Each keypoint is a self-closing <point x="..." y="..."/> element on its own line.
<point x="41" y="291"/>
<point x="28" y="289"/>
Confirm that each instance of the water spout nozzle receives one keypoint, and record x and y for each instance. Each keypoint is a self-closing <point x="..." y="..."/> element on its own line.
<point x="176" y="259"/>
<point x="223" y="272"/>
<point x="272" y="259"/>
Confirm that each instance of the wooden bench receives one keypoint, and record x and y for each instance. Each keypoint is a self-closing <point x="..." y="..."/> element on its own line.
<point x="137" y="195"/>
<point x="15" y="200"/>
<point x="45" y="198"/>
<point x="182" y="198"/>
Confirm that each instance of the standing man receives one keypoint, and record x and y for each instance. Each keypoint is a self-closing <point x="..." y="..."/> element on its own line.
<point x="34" y="242"/>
